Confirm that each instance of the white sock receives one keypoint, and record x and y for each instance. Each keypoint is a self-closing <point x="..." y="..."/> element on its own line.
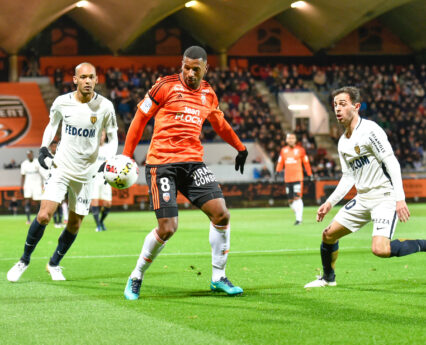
<point x="65" y="211"/>
<point x="292" y="204"/>
<point x="220" y="241"/>
<point x="152" y="246"/>
<point x="298" y="206"/>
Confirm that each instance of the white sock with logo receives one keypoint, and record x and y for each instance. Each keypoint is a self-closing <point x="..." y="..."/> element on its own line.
<point x="220" y="241"/>
<point x="298" y="209"/>
<point x="152" y="246"/>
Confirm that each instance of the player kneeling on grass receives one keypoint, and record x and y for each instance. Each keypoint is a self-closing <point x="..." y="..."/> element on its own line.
<point x="84" y="114"/>
<point x="368" y="161"/>
<point x="180" y="104"/>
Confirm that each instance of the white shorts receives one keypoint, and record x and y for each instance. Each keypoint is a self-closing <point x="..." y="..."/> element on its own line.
<point x="101" y="190"/>
<point x="33" y="191"/>
<point x="360" y="210"/>
<point x="79" y="194"/>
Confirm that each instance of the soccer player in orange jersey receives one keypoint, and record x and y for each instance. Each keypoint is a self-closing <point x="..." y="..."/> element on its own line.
<point x="291" y="159"/>
<point x="180" y="104"/>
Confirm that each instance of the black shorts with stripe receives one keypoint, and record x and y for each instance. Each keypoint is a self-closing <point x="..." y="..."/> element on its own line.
<point x="194" y="180"/>
<point x="294" y="189"/>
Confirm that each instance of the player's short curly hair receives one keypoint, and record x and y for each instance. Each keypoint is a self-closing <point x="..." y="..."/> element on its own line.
<point x="195" y="52"/>
<point x="352" y="91"/>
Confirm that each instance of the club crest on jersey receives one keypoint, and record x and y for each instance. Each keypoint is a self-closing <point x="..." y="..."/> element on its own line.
<point x="203" y="99"/>
<point x="357" y="149"/>
<point x="166" y="197"/>
<point x="93" y="119"/>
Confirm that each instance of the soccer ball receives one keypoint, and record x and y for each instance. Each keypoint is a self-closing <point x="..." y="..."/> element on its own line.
<point x="121" y="172"/>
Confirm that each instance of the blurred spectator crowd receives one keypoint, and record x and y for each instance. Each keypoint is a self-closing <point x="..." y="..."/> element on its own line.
<point x="392" y="95"/>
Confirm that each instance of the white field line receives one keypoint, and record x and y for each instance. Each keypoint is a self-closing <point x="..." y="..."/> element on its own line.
<point x="271" y="251"/>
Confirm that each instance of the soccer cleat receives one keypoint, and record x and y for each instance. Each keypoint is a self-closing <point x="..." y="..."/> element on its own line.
<point x="28" y="222"/>
<point x="226" y="286"/>
<point x="297" y="222"/>
<point x="133" y="288"/>
<point x="98" y="229"/>
<point x="320" y="282"/>
<point x="58" y="226"/>
<point x="16" y="271"/>
<point x="55" y="272"/>
<point x="103" y="227"/>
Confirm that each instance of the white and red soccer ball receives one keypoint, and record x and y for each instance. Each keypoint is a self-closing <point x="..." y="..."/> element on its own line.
<point x="121" y="172"/>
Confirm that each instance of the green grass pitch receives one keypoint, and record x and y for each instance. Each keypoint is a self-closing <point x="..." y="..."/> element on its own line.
<point x="377" y="301"/>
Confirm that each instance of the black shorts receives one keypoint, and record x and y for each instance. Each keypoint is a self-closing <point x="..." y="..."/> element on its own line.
<point x="294" y="189"/>
<point x="194" y="180"/>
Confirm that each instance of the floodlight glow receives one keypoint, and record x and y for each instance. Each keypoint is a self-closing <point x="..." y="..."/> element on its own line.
<point x="190" y="3"/>
<point x="298" y="107"/>
<point x="82" y="3"/>
<point x="298" y="4"/>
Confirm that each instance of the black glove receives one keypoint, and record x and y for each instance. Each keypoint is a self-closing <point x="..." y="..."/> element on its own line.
<point x="276" y="176"/>
<point x="102" y="167"/>
<point x="42" y="155"/>
<point x="240" y="160"/>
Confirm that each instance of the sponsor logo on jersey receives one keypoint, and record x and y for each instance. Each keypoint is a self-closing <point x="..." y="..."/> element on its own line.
<point x="191" y="111"/>
<point x="359" y="162"/>
<point x="188" y="118"/>
<point x="203" y="176"/>
<point x="93" y="119"/>
<point x="14" y="119"/>
<point x="357" y="149"/>
<point x="376" y="143"/>
<point x="80" y="132"/>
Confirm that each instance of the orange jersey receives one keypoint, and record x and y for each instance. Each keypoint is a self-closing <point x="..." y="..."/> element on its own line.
<point x="179" y="116"/>
<point x="291" y="160"/>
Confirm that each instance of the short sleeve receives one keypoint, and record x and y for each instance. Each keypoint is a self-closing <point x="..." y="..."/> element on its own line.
<point x="55" y="114"/>
<point x="111" y="120"/>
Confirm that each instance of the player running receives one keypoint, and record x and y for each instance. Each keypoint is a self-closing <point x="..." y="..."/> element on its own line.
<point x="84" y="114"/>
<point x="180" y="104"/>
<point x="292" y="158"/>
<point x="368" y="161"/>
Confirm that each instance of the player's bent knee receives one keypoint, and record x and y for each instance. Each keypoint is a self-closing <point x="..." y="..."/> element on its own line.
<point x="221" y="218"/>
<point x="43" y="217"/>
<point x="327" y="237"/>
<point x="166" y="228"/>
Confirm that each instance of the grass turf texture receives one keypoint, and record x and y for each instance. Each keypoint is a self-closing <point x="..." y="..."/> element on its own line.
<point x="377" y="301"/>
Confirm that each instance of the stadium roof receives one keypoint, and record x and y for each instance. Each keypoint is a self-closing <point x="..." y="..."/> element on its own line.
<point x="217" y="23"/>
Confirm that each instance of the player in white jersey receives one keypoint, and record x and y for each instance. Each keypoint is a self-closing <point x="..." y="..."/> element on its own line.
<point x="31" y="182"/>
<point x="368" y="161"/>
<point x="102" y="193"/>
<point x="84" y="114"/>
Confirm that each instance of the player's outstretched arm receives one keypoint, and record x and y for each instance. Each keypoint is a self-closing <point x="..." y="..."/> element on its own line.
<point x="134" y="133"/>
<point x="240" y="160"/>
<point x="323" y="210"/>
